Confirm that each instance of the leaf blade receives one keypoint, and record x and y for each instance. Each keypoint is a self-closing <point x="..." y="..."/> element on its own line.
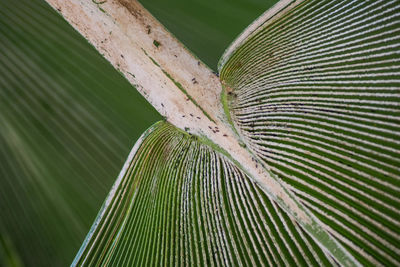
<point x="314" y="94"/>
<point x="179" y="202"/>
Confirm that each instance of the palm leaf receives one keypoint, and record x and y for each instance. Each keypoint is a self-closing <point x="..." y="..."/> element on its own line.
<point x="296" y="166"/>
<point x="314" y="92"/>
<point x="179" y="202"/>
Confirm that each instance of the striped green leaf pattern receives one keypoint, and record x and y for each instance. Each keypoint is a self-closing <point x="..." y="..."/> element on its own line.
<point x="315" y="93"/>
<point x="178" y="202"/>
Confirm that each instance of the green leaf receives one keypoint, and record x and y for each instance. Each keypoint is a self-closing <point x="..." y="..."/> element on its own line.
<point x="179" y="202"/>
<point x="313" y="90"/>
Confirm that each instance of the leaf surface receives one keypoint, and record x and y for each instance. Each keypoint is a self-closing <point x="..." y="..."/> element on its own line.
<point x="313" y="89"/>
<point x="179" y="202"/>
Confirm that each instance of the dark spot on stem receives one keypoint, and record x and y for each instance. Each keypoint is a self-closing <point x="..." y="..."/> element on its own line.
<point x="156" y="43"/>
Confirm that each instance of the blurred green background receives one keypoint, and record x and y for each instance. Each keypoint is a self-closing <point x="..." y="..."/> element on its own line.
<point x="68" y="119"/>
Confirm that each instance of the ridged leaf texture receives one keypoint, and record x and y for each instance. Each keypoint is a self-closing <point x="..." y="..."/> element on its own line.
<point x="312" y="89"/>
<point x="179" y="202"/>
<point x="314" y="92"/>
